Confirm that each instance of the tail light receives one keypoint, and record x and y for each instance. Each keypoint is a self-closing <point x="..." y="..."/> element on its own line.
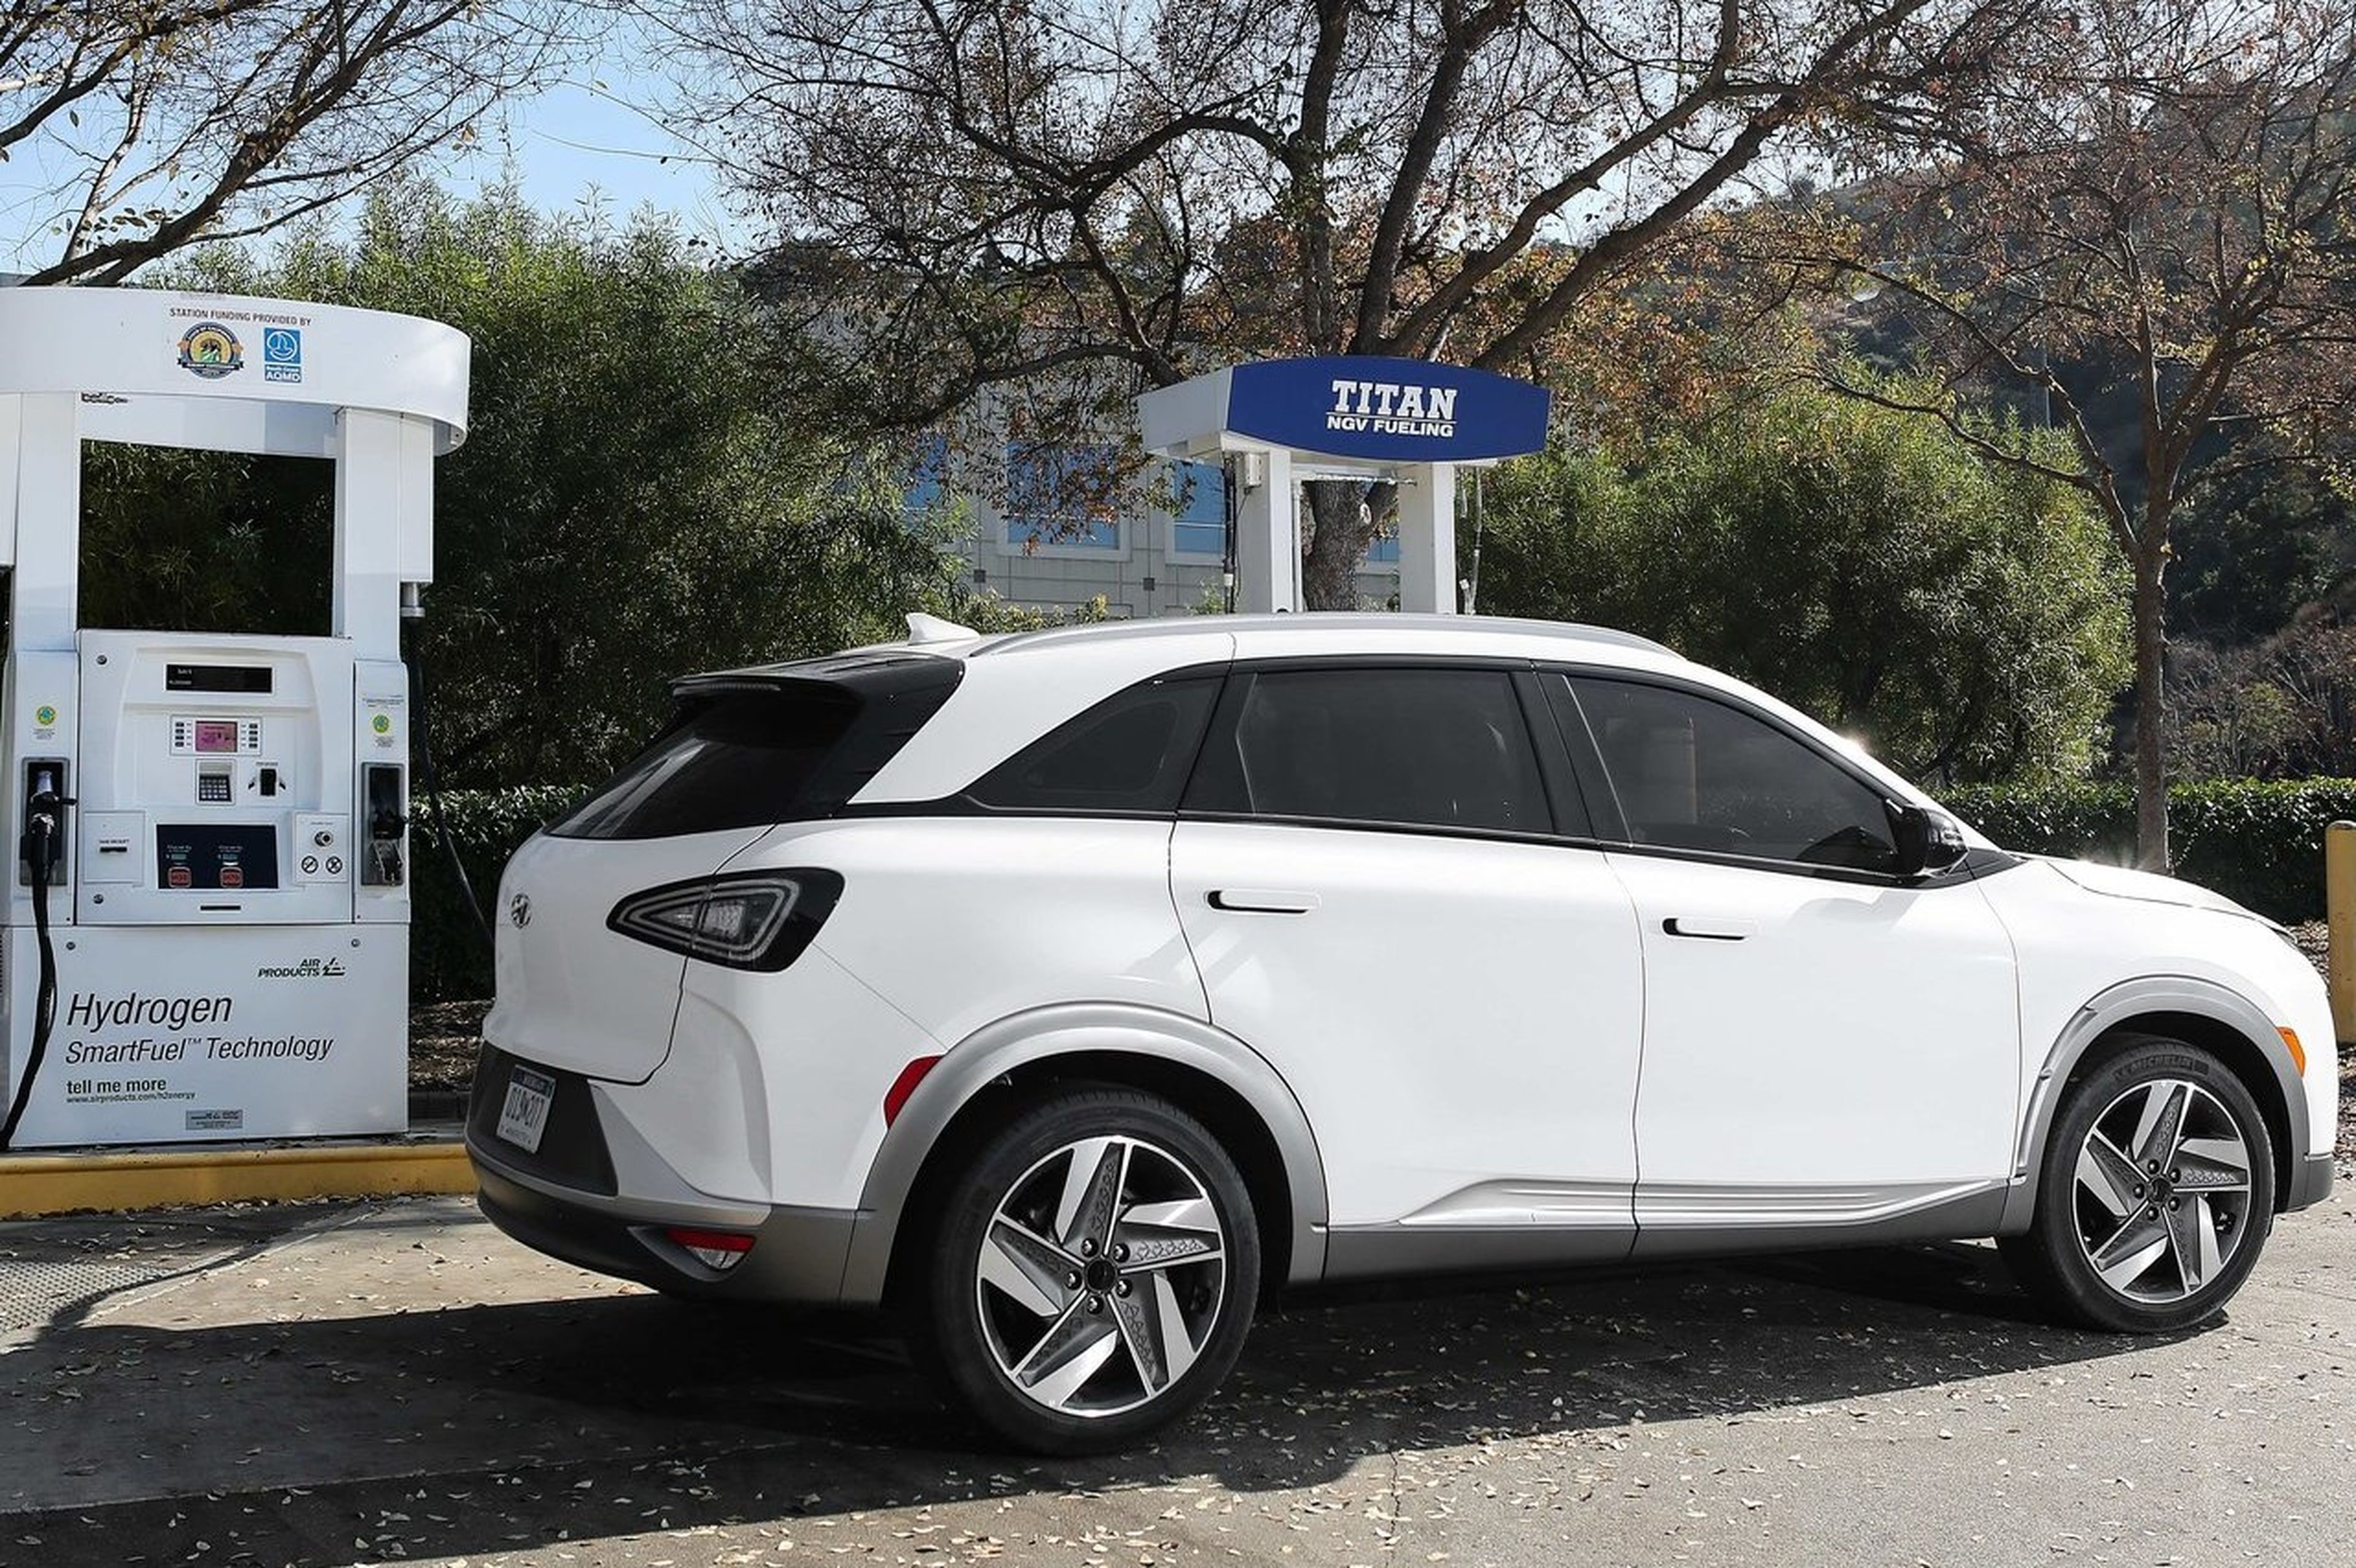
<point x="758" y="920"/>
<point x="722" y="1250"/>
<point x="905" y="1085"/>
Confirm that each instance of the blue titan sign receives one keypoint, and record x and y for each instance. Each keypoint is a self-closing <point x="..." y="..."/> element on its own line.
<point x="1389" y="411"/>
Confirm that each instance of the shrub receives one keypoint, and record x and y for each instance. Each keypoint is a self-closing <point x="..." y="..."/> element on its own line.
<point x="2259" y="842"/>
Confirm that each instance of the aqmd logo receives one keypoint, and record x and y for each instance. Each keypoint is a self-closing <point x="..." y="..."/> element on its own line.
<point x="281" y="353"/>
<point x="308" y="970"/>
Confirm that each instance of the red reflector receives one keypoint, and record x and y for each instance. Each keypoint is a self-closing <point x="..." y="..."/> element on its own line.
<point x="709" y="1241"/>
<point x="904" y="1086"/>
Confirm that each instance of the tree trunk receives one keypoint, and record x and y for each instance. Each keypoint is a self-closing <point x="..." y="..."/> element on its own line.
<point x="1329" y="567"/>
<point x="2150" y="660"/>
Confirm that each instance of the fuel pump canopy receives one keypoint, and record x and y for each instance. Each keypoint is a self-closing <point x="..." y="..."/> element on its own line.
<point x="1276" y="423"/>
<point x="221" y="817"/>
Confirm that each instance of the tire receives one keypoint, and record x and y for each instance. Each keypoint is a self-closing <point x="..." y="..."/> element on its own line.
<point x="1064" y="1322"/>
<point x="2154" y="1196"/>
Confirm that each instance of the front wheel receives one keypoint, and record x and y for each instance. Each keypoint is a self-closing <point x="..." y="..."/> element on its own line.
<point x="1093" y="1278"/>
<point x="2156" y="1195"/>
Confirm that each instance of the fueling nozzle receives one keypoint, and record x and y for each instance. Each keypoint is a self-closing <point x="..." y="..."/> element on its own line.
<point x="42" y="852"/>
<point x="42" y="846"/>
<point x="385" y="801"/>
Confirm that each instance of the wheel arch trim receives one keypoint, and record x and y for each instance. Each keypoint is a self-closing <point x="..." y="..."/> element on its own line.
<point x="1024" y="1039"/>
<point x="2122" y="1003"/>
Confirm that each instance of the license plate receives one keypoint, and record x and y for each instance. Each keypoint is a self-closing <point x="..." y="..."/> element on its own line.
<point x="523" y="1116"/>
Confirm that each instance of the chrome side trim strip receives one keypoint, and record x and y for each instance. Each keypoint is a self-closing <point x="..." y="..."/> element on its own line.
<point x="1515" y="1202"/>
<point x="1662" y="1206"/>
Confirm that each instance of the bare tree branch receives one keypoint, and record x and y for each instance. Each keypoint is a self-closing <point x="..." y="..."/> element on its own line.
<point x="166" y="122"/>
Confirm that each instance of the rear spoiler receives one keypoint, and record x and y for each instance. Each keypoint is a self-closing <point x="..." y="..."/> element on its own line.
<point x="893" y="696"/>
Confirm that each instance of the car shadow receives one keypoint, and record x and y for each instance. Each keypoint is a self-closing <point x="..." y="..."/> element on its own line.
<point x="493" y="1427"/>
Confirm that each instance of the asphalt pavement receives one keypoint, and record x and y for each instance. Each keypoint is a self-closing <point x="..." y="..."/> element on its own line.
<point x="396" y="1382"/>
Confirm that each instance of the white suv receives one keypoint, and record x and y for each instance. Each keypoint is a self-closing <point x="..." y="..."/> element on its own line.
<point x="1074" y="991"/>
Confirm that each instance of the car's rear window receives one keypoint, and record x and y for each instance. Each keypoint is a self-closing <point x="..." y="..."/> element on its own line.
<point x="1128" y="754"/>
<point x="728" y="759"/>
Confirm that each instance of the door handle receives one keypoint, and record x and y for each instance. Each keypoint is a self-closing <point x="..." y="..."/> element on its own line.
<point x="1262" y="900"/>
<point x="1709" y="930"/>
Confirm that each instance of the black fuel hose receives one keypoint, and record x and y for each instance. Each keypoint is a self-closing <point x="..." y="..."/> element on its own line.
<point x="40" y="832"/>
<point x="426" y="766"/>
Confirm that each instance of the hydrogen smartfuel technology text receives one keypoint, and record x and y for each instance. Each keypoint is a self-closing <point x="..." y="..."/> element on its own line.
<point x="89" y="1010"/>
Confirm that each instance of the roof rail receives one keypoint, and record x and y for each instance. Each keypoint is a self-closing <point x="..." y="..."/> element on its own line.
<point x="1336" y="620"/>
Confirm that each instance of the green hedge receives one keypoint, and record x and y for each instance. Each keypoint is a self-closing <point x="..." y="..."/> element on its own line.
<point x="2258" y="842"/>
<point x="447" y="960"/>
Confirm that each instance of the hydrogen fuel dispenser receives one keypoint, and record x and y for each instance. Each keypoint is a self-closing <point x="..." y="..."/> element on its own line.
<point x="207" y="932"/>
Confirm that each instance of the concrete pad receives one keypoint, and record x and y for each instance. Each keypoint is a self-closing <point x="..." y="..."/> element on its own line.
<point x="396" y="1381"/>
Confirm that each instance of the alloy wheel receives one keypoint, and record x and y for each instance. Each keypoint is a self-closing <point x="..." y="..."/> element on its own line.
<point x="1101" y="1276"/>
<point x="2161" y="1199"/>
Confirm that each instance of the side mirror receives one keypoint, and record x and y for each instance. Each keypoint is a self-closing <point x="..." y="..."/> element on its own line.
<point x="1928" y="841"/>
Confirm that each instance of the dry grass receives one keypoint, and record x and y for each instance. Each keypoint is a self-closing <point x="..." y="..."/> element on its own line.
<point x="443" y="1039"/>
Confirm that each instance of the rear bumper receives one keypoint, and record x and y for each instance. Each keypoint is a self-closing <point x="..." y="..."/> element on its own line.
<point x="2310" y="1181"/>
<point x="570" y="1201"/>
<point x="797" y="1254"/>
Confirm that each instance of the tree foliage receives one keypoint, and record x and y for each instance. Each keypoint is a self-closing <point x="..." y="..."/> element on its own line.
<point x="2251" y="552"/>
<point x="143" y="126"/>
<point x="641" y="493"/>
<point x="2164" y="209"/>
<point x="2281" y="708"/>
<point x="1066" y="203"/>
<point x="1965" y="620"/>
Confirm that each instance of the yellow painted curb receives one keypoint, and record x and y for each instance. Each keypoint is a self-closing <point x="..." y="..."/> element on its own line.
<point x="34" y="1185"/>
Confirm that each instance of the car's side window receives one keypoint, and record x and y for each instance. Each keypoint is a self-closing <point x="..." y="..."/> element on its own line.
<point x="1411" y="747"/>
<point x="1692" y="772"/>
<point x="1129" y="753"/>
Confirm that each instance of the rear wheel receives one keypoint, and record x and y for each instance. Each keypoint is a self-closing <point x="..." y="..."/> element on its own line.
<point x="1093" y="1278"/>
<point x="2156" y="1196"/>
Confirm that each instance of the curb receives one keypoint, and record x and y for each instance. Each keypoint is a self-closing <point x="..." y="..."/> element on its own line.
<point x="35" y="1186"/>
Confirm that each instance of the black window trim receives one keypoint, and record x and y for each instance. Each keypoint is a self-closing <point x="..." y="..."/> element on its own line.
<point x="1587" y="760"/>
<point x="961" y="801"/>
<point x="965" y="801"/>
<point x="1581" y="798"/>
<point x="1563" y="800"/>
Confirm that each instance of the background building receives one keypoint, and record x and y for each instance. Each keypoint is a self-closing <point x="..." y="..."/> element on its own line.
<point x="1159" y="548"/>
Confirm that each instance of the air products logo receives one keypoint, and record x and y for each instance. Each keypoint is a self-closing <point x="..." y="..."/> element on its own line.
<point x="308" y="970"/>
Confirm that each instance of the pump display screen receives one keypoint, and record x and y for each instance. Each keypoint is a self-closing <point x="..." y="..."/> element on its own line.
<point x="215" y="735"/>
<point x="238" y="677"/>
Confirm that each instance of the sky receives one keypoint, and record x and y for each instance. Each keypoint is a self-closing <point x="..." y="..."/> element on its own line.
<point x="577" y="141"/>
<point x="584" y="140"/>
